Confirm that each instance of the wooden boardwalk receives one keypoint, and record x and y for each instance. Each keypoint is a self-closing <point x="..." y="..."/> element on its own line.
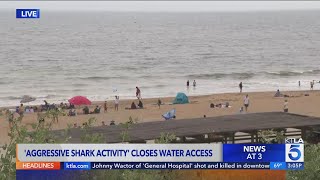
<point x="225" y="126"/>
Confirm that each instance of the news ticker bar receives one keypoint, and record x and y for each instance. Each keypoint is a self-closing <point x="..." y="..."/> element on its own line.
<point x="159" y="165"/>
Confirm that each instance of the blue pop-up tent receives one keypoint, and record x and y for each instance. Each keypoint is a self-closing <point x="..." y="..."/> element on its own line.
<point x="181" y="98"/>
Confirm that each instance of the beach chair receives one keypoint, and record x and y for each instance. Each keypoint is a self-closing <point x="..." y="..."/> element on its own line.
<point x="170" y="114"/>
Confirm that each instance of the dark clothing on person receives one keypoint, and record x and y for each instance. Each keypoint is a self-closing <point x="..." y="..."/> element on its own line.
<point x="140" y="104"/>
<point x="133" y="105"/>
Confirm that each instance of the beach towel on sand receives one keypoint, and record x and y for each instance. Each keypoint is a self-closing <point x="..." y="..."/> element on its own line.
<point x="170" y="114"/>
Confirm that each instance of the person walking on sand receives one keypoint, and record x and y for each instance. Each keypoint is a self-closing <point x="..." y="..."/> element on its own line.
<point x="194" y="83"/>
<point x="21" y="110"/>
<point x="159" y="102"/>
<point x="240" y="87"/>
<point x="188" y="83"/>
<point x="116" y="103"/>
<point x="246" y="102"/>
<point x="138" y="93"/>
<point x="285" y="106"/>
<point x="105" y="107"/>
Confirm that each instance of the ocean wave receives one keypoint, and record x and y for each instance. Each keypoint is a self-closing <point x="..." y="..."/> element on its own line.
<point x="222" y="75"/>
<point x="248" y="75"/>
<point x="293" y="73"/>
<point x="102" y="78"/>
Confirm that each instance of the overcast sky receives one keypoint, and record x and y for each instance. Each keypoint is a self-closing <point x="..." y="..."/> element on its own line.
<point x="175" y="6"/>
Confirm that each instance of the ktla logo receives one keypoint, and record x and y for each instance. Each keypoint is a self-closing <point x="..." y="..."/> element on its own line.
<point x="295" y="152"/>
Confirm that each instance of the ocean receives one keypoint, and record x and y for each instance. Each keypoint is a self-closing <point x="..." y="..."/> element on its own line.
<point x="102" y="54"/>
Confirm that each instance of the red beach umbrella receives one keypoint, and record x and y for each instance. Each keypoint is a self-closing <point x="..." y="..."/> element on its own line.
<point x="79" y="100"/>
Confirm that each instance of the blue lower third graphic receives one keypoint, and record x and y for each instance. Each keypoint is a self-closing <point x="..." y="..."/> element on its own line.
<point x="278" y="166"/>
<point x="77" y="165"/>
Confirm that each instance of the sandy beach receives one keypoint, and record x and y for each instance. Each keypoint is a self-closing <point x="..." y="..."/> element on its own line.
<point x="198" y="107"/>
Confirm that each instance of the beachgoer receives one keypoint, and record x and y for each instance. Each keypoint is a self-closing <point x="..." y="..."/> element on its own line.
<point x="246" y="102"/>
<point x="138" y="93"/>
<point x="96" y="110"/>
<point x="278" y="94"/>
<point x="140" y="104"/>
<point x="86" y="110"/>
<point x="194" y="83"/>
<point x="211" y="105"/>
<point x="188" y="83"/>
<point x="105" y="106"/>
<point x="133" y="106"/>
<point x="299" y="83"/>
<point x="204" y="116"/>
<point x="159" y="103"/>
<point x="241" y="110"/>
<point x="112" y="123"/>
<point x="116" y="103"/>
<point x="285" y="106"/>
<point x="21" y="110"/>
<point x="240" y="87"/>
<point x="311" y="85"/>
<point x="103" y="124"/>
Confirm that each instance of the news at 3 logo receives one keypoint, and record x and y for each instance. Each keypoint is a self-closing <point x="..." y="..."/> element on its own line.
<point x="294" y="150"/>
<point x="28" y="13"/>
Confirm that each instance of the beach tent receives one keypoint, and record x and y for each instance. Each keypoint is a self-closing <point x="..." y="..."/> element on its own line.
<point x="181" y="98"/>
<point x="170" y="114"/>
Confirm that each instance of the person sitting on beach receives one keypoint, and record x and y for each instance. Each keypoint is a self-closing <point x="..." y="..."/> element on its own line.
<point x="103" y="124"/>
<point x="96" y="110"/>
<point x="133" y="106"/>
<point x="241" y="110"/>
<point x="72" y="112"/>
<point x="211" y="105"/>
<point x="159" y="103"/>
<point x="112" y="123"/>
<point x="278" y="94"/>
<point x="86" y="110"/>
<point x="31" y="110"/>
<point x="227" y="104"/>
<point x="140" y="104"/>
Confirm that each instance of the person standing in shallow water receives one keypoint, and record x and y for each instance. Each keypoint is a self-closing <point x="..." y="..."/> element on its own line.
<point x="138" y="93"/>
<point x="240" y="87"/>
<point x="246" y="102"/>
<point x="188" y="83"/>
<point x="194" y="83"/>
<point x="299" y="83"/>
